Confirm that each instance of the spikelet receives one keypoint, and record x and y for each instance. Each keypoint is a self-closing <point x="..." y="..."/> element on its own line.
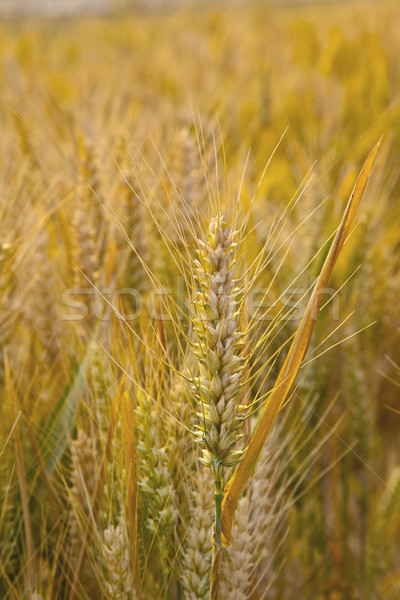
<point x="83" y="476"/>
<point x="190" y="170"/>
<point x="83" y="484"/>
<point x="360" y="402"/>
<point x="155" y="480"/>
<point x="119" y="582"/>
<point x="101" y="379"/>
<point x="45" y="317"/>
<point x="7" y="255"/>
<point x="84" y="250"/>
<point x="85" y="225"/>
<point x="196" y="562"/>
<point x="26" y="146"/>
<point x="217" y="346"/>
<point x="89" y="167"/>
<point x="249" y="566"/>
<point x="188" y="177"/>
<point x="99" y="373"/>
<point x="139" y="234"/>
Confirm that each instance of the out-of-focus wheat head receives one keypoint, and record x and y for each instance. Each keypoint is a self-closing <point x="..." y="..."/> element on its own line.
<point x="119" y="581"/>
<point x="196" y="548"/>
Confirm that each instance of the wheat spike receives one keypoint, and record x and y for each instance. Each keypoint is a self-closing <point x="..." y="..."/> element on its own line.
<point x="155" y="481"/>
<point x="195" y="570"/>
<point x="116" y="557"/>
<point x="217" y="346"/>
<point x="83" y="486"/>
<point x="249" y="565"/>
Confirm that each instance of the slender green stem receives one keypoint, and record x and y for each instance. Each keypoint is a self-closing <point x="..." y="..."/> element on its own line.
<point x="217" y="549"/>
<point x="218" y="511"/>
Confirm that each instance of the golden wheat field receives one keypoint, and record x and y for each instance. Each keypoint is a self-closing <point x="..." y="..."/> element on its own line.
<point x="199" y="304"/>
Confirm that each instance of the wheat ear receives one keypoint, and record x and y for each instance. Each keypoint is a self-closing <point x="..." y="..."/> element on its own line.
<point x="115" y="548"/>
<point x="218" y="349"/>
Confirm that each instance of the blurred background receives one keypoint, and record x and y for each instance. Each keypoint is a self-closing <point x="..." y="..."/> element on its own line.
<point x="60" y="8"/>
<point x="90" y="105"/>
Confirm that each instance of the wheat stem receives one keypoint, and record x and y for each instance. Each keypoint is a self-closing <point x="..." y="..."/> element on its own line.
<point x="215" y="571"/>
<point x="217" y="548"/>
